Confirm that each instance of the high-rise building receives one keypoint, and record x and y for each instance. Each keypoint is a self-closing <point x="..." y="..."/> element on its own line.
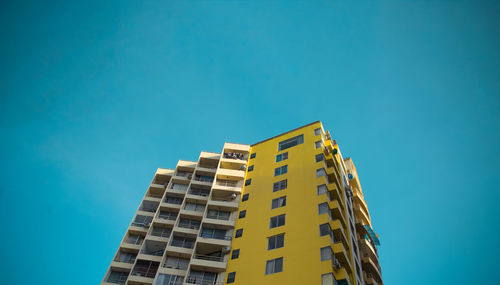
<point x="286" y="210"/>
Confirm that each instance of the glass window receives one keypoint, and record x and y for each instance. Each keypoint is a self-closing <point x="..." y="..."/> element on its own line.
<point x="277" y="221"/>
<point x="323" y="208"/>
<point x="244" y="197"/>
<point x="253" y="155"/>
<point x="282" y="156"/>
<point x="239" y="233"/>
<point x="176" y="263"/>
<point x="327" y="279"/>
<point x="318" y="144"/>
<point x="320" y="172"/>
<point x="280" y="185"/>
<point x="326" y="253"/>
<point x="324" y="230"/>
<point x="242" y="214"/>
<point x="250" y="168"/>
<point x="235" y="254"/>
<point x="166" y="279"/>
<point x="117" y="277"/>
<point x="281" y="170"/>
<point x="274" y="266"/>
<point x="322" y="189"/>
<point x="278" y="202"/>
<point x="317" y="131"/>
<point x="248" y="182"/>
<point x="290" y="142"/>
<point x="320" y="157"/>
<point x="230" y="277"/>
<point x="276" y="241"/>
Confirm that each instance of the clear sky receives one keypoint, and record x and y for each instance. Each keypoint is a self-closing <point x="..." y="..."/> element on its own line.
<point x="96" y="95"/>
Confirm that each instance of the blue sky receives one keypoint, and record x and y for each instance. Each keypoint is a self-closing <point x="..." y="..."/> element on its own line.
<point x="96" y="95"/>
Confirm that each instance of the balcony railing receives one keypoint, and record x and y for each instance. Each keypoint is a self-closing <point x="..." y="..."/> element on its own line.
<point x="218" y="216"/>
<point x="141" y="224"/>
<point x="215" y="236"/>
<point x="155" y="252"/>
<point x="167" y="217"/>
<point x="189" y="225"/>
<point x="204" y="178"/>
<point x="201" y="281"/>
<point x="199" y="192"/>
<point x="234" y="155"/>
<point x="227" y="183"/>
<point x="182" y="243"/>
<point x="209" y="257"/>
<point x="144" y="272"/>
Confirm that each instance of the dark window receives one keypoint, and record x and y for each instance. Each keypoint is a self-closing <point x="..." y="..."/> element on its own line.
<point x="324" y="230"/>
<point x="239" y="233"/>
<point x="253" y="155"/>
<point x="290" y="142"/>
<point x="317" y="131"/>
<point x="274" y="266"/>
<point x="282" y="156"/>
<point x="243" y="214"/>
<point x="323" y="208"/>
<point x="320" y="172"/>
<point x="230" y="277"/>
<point x="276" y="241"/>
<point x="281" y="170"/>
<point x="320" y="157"/>
<point x="277" y="221"/>
<point x="278" y="202"/>
<point x="248" y="182"/>
<point x="280" y="185"/>
<point x="318" y="144"/>
<point x="322" y="189"/>
<point x="235" y="254"/>
<point x="245" y="197"/>
<point x="250" y="168"/>
<point x="326" y="253"/>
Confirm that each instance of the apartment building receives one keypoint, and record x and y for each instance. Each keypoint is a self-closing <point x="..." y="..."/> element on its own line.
<point x="286" y="210"/>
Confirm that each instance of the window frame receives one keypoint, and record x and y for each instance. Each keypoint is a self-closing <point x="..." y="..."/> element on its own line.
<point x="280" y="185"/>
<point x="278" y="219"/>
<point x="278" y="200"/>
<point x="288" y="143"/>
<point x="276" y="241"/>
<point x="275" y="268"/>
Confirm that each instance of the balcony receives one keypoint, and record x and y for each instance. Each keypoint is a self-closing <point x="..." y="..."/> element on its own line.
<point x="172" y="202"/>
<point x="214" y="236"/>
<point x="203" y="180"/>
<point x="227" y="186"/>
<point x="335" y="194"/>
<point x="361" y="216"/>
<point x="144" y="271"/>
<point x="203" y="278"/>
<point x="371" y="268"/>
<point x="141" y="223"/>
<point x="177" y="187"/>
<point x="189" y="224"/>
<point x="208" y="262"/>
<point x="117" y="277"/>
<point x="342" y="275"/>
<point x="234" y="174"/>
<point x="181" y="245"/>
<point x="153" y="249"/>
<point x="161" y="232"/>
<point x="341" y="254"/>
<point x="222" y="218"/>
<point x="195" y="210"/>
<point x="167" y="216"/>
<point x="337" y="212"/>
<point x="224" y="201"/>
<point x="149" y="206"/>
<point x="197" y="193"/>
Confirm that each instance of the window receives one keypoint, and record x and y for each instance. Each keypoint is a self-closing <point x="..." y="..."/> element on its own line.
<point x="282" y="156"/>
<point x="324" y="230"/>
<point x="318" y="144"/>
<point x="235" y="254"/>
<point x="166" y="279"/>
<point x="317" y="131"/>
<point x="281" y="170"/>
<point x="274" y="266"/>
<point x="323" y="208"/>
<point x="248" y="182"/>
<point x="117" y="277"/>
<point x="242" y="214"/>
<point x="320" y="157"/>
<point x="327" y="279"/>
<point x="326" y="253"/>
<point x="290" y="142"/>
<point x="230" y="277"/>
<point x="277" y="221"/>
<point x="278" y="202"/>
<point x="176" y="263"/>
<point x="322" y="189"/>
<point x="276" y="241"/>
<point x="194" y="207"/>
<point x="320" y="172"/>
<point x="244" y="198"/>
<point x="239" y="233"/>
<point x="280" y="185"/>
<point x="250" y="168"/>
<point x="253" y="155"/>
<point x="134" y="239"/>
<point x="142" y="221"/>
